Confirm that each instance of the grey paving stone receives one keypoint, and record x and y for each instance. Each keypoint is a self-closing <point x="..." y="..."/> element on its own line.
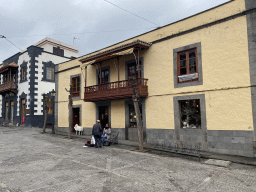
<point x="31" y="162"/>
<point x="218" y="162"/>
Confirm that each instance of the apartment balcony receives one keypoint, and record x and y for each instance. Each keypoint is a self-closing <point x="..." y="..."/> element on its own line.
<point x="8" y="87"/>
<point x="115" y="90"/>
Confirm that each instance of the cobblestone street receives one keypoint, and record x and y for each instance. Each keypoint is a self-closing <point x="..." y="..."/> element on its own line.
<point x="31" y="161"/>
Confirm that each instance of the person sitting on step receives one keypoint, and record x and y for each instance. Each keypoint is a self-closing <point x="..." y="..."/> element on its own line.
<point x="106" y="134"/>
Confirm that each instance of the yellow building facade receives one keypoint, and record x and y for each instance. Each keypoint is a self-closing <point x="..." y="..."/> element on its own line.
<point x="195" y="78"/>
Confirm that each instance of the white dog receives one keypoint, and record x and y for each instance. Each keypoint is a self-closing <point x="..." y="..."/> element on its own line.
<point x="79" y="129"/>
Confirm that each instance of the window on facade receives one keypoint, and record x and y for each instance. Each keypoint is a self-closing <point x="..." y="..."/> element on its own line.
<point x="58" y="51"/>
<point x="133" y="71"/>
<point x="132" y="116"/>
<point x="23" y="73"/>
<point x="104" y="76"/>
<point x="187" y="66"/>
<point x="49" y="73"/>
<point x="76" y="86"/>
<point x="190" y="114"/>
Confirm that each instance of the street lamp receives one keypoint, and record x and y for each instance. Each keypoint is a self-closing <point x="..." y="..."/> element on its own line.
<point x="45" y="111"/>
<point x="53" y="93"/>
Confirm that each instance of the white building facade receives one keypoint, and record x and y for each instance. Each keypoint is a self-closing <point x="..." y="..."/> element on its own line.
<point x="27" y="75"/>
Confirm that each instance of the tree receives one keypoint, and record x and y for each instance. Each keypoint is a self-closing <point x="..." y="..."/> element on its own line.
<point x="134" y="83"/>
<point x="70" y="103"/>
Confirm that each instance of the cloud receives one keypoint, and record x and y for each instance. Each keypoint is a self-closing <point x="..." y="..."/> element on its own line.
<point x="25" y="22"/>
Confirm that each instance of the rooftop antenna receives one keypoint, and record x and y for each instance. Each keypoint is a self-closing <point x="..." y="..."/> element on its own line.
<point x="74" y="38"/>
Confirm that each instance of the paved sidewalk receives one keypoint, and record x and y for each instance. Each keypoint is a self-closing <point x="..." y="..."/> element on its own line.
<point x="34" y="162"/>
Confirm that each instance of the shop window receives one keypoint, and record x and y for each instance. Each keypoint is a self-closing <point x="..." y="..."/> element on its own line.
<point x="132" y="116"/>
<point x="49" y="73"/>
<point x="190" y="114"/>
<point x="187" y="66"/>
<point x="76" y="86"/>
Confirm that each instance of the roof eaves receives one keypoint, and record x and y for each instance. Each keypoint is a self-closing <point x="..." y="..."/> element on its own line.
<point x="137" y="43"/>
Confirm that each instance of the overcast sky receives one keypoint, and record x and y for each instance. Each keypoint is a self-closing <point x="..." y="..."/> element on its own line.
<point x="96" y="23"/>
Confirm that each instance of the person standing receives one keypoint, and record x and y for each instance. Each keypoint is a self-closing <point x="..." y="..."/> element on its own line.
<point x="96" y="132"/>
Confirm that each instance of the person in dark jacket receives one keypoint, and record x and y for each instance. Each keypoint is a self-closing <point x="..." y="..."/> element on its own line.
<point x="96" y="132"/>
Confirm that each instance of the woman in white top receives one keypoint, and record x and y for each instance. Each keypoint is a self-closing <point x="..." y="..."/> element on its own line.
<point x="106" y="134"/>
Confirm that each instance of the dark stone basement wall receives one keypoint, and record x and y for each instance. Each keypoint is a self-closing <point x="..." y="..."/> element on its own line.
<point x="225" y="142"/>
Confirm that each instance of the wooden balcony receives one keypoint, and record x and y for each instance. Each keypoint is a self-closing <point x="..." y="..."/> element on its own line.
<point x="115" y="90"/>
<point x="8" y="87"/>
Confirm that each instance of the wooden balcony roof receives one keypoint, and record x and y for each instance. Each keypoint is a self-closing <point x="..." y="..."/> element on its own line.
<point x="110" y="53"/>
<point x="5" y="67"/>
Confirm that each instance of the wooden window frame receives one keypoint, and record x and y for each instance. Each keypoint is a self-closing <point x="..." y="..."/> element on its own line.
<point x="58" y="51"/>
<point x="52" y="75"/>
<point x="75" y="89"/>
<point x="187" y="64"/>
<point x="23" y="73"/>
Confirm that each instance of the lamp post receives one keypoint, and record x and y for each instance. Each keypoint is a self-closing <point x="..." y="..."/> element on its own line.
<point x="45" y="110"/>
<point x="53" y="109"/>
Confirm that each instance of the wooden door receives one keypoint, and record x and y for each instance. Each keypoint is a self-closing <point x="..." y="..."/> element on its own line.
<point x="12" y="110"/>
<point x="103" y="115"/>
<point x="23" y="111"/>
<point x="103" y="77"/>
<point x="6" y="110"/>
<point x="133" y="71"/>
<point x="76" y="118"/>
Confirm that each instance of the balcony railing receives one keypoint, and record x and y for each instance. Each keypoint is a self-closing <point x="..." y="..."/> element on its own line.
<point x="115" y="90"/>
<point x="10" y="86"/>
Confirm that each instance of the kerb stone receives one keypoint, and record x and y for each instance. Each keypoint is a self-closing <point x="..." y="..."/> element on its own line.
<point x="220" y="163"/>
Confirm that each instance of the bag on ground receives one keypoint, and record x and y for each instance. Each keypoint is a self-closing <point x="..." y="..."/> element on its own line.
<point x="92" y="141"/>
